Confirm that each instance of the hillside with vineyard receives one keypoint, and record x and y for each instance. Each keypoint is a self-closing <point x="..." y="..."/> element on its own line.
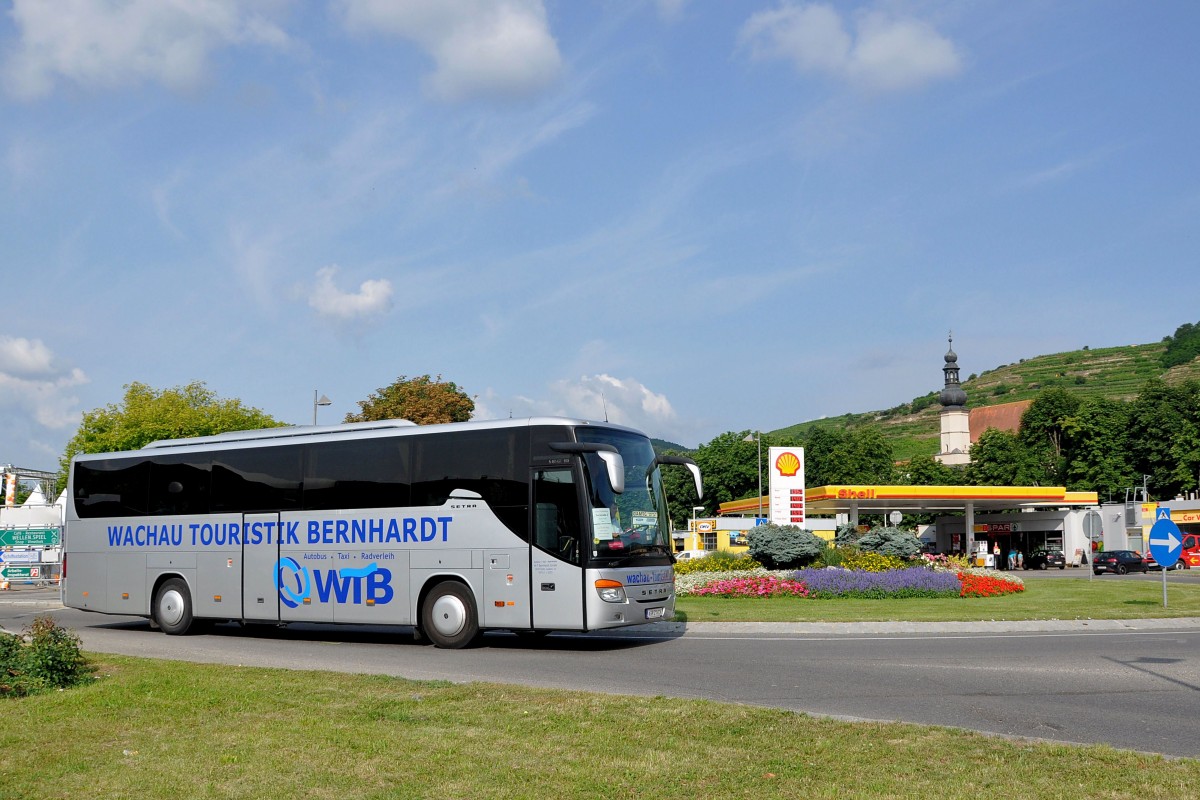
<point x="1117" y="373"/>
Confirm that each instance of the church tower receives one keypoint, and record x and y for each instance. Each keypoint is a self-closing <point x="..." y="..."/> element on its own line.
<point x="956" y="420"/>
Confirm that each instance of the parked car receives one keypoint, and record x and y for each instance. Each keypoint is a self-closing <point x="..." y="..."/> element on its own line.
<point x="1118" y="561"/>
<point x="1152" y="564"/>
<point x="1044" y="559"/>
<point x="689" y="555"/>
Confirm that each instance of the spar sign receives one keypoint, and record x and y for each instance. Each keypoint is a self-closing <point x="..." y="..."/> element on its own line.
<point x="786" y="466"/>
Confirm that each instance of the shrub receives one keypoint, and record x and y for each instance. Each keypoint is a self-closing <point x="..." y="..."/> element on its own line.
<point x="784" y="546"/>
<point x="831" y="557"/>
<point x="14" y="681"/>
<point x="870" y="562"/>
<point x="846" y="536"/>
<point x="952" y="563"/>
<point x="45" y="657"/>
<point x="720" y="561"/>
<point x="891" y="542"/>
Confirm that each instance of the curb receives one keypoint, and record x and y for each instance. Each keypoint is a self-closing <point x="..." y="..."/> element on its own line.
<point x="673" y="629"/>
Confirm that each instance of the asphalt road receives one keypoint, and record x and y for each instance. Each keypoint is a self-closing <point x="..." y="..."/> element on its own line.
<point x="1133" y="685"/>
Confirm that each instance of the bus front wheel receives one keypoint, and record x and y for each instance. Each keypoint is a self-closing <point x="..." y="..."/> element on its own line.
<point x="448" y="616"/>
<point x="173" y="607"/>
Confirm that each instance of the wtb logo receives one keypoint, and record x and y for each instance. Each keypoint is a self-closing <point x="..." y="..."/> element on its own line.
<point x="295" y="584"/>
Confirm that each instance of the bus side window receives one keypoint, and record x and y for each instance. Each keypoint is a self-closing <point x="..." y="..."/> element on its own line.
<point x="179" y="484"/>
<point x="112" y="487"/>
<point x="357" y="474"/>
<point x="264" y="479"/>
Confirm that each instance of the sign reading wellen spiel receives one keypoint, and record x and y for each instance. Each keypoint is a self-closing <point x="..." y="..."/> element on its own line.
<point x="786" y="468"/>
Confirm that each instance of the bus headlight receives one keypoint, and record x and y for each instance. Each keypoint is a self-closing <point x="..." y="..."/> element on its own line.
<point x="610" y="591"/>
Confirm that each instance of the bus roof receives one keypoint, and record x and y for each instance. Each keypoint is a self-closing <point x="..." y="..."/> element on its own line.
<point x="347" y="431"/>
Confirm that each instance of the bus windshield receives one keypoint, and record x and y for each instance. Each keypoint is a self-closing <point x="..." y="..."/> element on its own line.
<point x="633" y="524"/>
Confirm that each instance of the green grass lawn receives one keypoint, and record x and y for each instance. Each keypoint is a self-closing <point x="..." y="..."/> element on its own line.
<point x="1044" y="598"/>
<point x="162" y="729"/>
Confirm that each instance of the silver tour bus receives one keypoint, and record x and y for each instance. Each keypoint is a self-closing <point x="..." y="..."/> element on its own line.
<point x="537" y="524"/>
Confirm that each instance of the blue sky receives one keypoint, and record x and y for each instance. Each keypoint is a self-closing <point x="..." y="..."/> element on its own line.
<point x="696" y="216"/>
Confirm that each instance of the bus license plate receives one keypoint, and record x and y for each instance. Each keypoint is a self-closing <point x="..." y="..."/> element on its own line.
<point x="654" y="613"/>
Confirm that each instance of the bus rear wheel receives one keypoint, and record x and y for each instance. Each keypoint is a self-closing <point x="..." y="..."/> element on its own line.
<point x="173" y="607"/>
<point x="448" y="616"/>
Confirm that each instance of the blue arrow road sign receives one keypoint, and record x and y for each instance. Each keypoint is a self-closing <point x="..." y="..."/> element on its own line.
<point x="1166" y="542"/>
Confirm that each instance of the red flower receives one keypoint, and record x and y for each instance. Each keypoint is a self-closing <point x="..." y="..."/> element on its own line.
<point x="974" y="585"/>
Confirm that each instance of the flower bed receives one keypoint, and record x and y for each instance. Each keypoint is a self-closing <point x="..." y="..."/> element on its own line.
<point x="908" y="582"/>
<point x="754" y="586"/>
<point x="981" y="584"/>
<point x="838" y="583"/>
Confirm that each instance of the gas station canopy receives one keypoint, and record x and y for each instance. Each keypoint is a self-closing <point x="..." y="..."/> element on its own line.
<point x="855" y="500"/>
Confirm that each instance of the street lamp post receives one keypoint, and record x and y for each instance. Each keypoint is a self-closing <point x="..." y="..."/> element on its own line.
<point x="757" y="437"/>
<point x="321" y="401"/>
<point x="694" y="510"/>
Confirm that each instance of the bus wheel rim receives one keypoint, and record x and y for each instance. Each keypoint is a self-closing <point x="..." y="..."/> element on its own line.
<point x="170" y="608"/>
<point x="449" y="615"/>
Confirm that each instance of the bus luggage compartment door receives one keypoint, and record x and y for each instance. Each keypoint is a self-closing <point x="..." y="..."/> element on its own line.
<point x="260" y="595"/>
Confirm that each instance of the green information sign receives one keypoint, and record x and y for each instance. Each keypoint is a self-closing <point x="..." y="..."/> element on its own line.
<point x="14" y="572"/>
<point x="30" y="537"/>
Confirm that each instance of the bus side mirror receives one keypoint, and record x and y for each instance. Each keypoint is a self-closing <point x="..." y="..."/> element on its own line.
<point x="684" y="461"/>
<point x="614" y="464"/>
<point x="616" y="470"/>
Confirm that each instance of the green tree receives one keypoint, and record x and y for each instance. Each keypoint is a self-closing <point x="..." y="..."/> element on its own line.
<point x="1097" y="448"/>
<point x="860" y="455"/>
<point x="1043" y="433"/>
<point x="145" y="415"/>
<point x="925" y="470"/>
<point x="728" y="466"/>
<point x="999" y="458"/>
<point x="1183" y="347"/>
<point x="869" y="457"/>
<point x="423" y="400"/>
<point x="1158" y="414"/>
<point x="1185" y="444"/>
<point x="822" y="456"/>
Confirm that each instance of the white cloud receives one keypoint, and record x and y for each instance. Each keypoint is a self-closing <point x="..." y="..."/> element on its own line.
<point x="33" y="386"/>
<point x="373" y="297"/>
<point x="670" y="10"/>
<point x="624" y="401"/>
<point x="886" y="54"/>
<point x="109" y="43"/>
<point x="22" y="356"/>
<point x="480" y="47"/>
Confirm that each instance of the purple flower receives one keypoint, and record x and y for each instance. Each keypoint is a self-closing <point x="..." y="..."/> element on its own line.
<point x="910" y="582"/>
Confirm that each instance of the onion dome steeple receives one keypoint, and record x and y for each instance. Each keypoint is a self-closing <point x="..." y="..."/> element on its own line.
<point x="953" y="395"/>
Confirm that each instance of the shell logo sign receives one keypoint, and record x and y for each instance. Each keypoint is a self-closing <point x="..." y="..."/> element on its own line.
<point x="787" y="485"/>
<point x="788" y="464"/>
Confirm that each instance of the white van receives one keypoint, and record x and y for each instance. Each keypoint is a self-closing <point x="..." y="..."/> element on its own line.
<point x="688" y="555"/>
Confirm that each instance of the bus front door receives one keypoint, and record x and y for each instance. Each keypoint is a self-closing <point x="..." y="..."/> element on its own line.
<point x="556" y="576"/>
<point x="260" y="558"/>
